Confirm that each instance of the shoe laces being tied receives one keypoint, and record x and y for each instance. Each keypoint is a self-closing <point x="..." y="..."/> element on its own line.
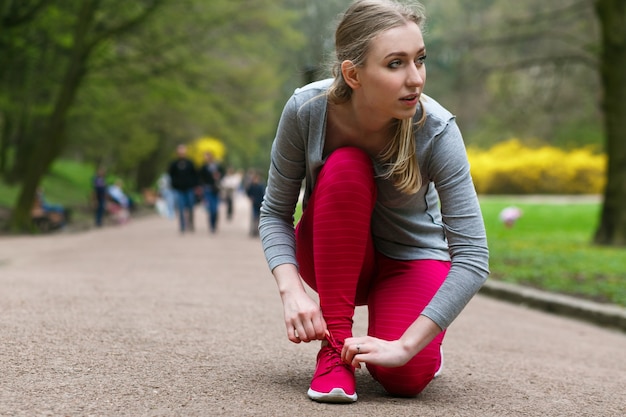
<point x="332" y="351"/>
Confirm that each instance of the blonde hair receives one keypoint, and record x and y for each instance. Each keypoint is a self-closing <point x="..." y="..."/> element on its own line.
<point x="359" y="25"/>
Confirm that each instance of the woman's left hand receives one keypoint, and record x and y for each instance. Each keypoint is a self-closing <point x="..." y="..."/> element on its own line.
<point x="367" y="349"/>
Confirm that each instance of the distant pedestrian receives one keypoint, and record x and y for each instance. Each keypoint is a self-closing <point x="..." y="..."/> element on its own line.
<point x="255" y="191"/>
<point x="166" y="194"/>
<point x="184" y="179"/>
<point x="211" y="174"/>
<point x="230" y="184"/>
<point x="99" y="185"/>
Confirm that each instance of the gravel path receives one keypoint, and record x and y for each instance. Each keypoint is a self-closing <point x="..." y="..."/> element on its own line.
<point x="138" y="320"/>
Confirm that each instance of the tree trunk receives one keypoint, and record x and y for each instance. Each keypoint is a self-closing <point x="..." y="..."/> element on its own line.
<point x="612" y="15"/>
<point x="53" y="138"/>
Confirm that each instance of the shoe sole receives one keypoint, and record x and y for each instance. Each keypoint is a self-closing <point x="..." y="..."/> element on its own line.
<point x="336" y="396"/>
<point x="440" y="370"/>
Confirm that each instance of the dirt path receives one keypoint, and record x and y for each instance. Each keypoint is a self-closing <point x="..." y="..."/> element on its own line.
<point x="140" y="321"/>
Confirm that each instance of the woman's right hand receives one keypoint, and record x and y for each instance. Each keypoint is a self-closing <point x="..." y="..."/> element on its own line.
<point x="303" y="317"/>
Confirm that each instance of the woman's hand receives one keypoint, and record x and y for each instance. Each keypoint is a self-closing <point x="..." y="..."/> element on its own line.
<point x="367" y="349"/>
<point x="303" y="316"/>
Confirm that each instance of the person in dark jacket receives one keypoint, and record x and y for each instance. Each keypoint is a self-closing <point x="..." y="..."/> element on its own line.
<point x="211" y="174"/>
<point x="184" y="179"/>
<point x="99" y="194"/>
<point x="255" y="191"/>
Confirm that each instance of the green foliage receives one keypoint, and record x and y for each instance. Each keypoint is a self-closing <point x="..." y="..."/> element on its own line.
<point x="198" y="69"/>
<point x="521" y="69"/>
<point x="8" y="193"/>
<point x="69" y="183"/>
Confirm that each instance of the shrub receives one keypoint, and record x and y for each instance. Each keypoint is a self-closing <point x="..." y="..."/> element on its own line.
<point x="512" y="168"/>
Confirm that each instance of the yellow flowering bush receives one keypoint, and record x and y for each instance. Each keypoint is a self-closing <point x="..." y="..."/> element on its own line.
<point x="512" y="168"/>
<point x="199" y="147"/>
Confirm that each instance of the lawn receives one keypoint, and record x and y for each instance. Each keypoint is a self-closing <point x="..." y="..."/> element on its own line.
<point x="550" y="247"/>
<point x="68" y="183"/>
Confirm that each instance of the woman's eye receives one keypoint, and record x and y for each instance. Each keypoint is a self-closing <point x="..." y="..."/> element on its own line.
<point x="395" y="63"/>
<point x="420" y="60"/>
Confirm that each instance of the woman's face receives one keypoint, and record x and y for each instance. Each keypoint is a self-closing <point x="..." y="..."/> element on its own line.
<point x="392" y="79"/>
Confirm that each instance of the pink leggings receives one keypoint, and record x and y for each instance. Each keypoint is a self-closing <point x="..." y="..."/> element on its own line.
<point x="338" y="260"/>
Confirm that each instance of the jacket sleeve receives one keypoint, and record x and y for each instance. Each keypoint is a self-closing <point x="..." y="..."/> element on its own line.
<point x="284" y="181"/>
<point x="463" y="224"/>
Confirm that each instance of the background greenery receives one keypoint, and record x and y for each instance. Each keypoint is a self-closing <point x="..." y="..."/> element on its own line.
<point x="224" y="69"/>
<point x="140" y="77"/>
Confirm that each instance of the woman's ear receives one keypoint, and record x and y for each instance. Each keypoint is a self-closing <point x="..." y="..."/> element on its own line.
<point x="350" y="74"/>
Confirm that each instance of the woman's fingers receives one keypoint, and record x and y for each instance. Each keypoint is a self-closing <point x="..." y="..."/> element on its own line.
<point x="352" y="347"/>
<point x="306" y="330"/>
<point x="292" y="334"/>
<point x="303" y="318"/>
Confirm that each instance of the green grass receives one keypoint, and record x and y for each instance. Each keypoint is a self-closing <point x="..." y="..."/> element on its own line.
<point x="550" y="247"/>
<point x="68" y="183"/>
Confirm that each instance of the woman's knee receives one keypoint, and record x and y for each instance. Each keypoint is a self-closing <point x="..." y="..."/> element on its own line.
<point x="348" y="167"/>
<point x="406" y="381"/>
<point x="410" y="379"/>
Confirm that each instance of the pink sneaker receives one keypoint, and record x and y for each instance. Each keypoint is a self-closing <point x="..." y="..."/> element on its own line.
<point x="333" y="381"/>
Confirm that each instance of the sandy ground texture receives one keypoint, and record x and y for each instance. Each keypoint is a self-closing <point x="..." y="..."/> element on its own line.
<point x="138" y="320"/>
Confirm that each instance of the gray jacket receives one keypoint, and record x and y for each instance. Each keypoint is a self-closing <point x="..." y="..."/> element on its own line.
<point x="442" y="221"/>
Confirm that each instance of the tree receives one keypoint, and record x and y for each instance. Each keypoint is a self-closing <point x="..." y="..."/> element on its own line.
<point x="92" y="25"/>
<point x="612" y="16"/>
<point x="122" y="82"/>
<point x="216" y="71"/>
<point x="563" y="58"/>
<point x="526" y="69"/>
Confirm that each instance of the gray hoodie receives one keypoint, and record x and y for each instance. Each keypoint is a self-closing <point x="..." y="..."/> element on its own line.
<point x="442" y="221"/>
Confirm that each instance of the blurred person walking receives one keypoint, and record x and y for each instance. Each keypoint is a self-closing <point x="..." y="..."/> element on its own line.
<point x="211" y="174"/>
<point x="255" y="191"/>
<point x="230" y="184"/>
<point x="99" y="185"/>
<point x="184" y="180"/>
<point x="167" y="198"/>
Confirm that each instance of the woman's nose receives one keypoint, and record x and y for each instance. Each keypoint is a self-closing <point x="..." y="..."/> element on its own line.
<point x="416" y="75"/>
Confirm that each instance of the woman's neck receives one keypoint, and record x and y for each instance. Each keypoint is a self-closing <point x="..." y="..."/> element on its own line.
<point x="360" y="123"/>
<point x="346" y="126"/>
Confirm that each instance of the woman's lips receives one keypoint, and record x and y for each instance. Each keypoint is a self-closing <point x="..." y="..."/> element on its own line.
<point x="410" y="100"/>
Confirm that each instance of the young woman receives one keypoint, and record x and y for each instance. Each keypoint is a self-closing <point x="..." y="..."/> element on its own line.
<point x="391" y="219"/>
